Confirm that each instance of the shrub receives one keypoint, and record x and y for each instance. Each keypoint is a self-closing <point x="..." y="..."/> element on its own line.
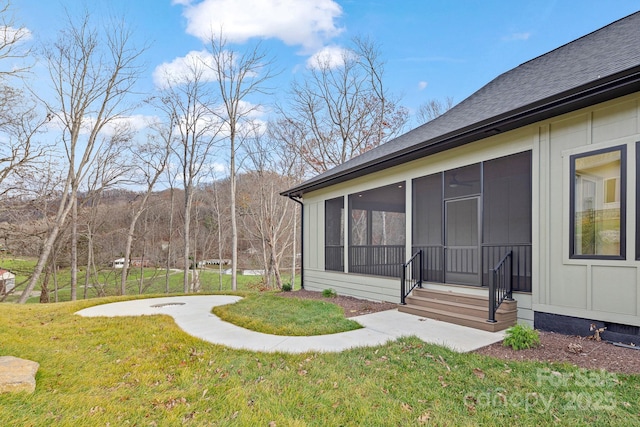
<point x="329" y="293"/>
<point x="521" y="336"/>
<point x="286" y="287"/>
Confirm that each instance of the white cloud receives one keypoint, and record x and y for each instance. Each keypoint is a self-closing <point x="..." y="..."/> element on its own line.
<point x="136" y="122"/>
<point x="305" y="23"/>
<point x="253" y="122"/>
<point x="329" y="57"/>
<point x="517" y="36"/>
<point x="9" y="35"/>
<point x="182" y="69"/>
<point x="422" y="85"/>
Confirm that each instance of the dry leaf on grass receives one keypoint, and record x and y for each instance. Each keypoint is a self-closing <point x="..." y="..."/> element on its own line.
<point x="479" y="373"/>
<point x="424" y="417"/>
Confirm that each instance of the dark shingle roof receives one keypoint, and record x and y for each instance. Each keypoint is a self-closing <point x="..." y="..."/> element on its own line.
<point x="599" y="66"/>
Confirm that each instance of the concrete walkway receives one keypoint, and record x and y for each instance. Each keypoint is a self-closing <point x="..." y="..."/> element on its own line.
<point x="193" y="315"/>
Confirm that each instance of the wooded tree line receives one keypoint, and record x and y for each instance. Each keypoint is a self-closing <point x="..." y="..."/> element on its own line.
<point x="83" y="182"/>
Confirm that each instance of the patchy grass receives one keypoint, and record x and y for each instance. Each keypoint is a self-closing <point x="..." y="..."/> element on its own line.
<point x="271" y="314"/>
<point x="145" y="371"/>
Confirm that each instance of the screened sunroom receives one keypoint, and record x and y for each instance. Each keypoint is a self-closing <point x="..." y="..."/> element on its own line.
<point x="464" y="221"/>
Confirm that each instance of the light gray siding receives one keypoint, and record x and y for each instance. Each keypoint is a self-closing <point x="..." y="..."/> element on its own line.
<point x="606" y="290"/>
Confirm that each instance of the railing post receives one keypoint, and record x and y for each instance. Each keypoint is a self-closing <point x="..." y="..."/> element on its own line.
<point x="403" y="276"/>
<point x="509" y="296"/>
<point x="492" y="296"/>
<point x="421" y="263"/>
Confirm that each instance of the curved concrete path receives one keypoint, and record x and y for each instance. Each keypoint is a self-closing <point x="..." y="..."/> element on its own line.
<point x="193" y="315"/>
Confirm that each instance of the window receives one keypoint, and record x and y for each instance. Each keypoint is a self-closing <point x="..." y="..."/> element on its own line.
<point x="427" y="233"/>
<point x="598" y="204"/>
<point x="507" y="199"/>
<point x="334" y="234"/>
<point x="377" y="231"/>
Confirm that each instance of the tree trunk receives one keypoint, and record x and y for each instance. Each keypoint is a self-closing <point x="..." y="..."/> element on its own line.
<point x="55" y="279"/>
<point x="89" y="261"/>
<point x="276" y="269"/>
<point x="234" y="222"/>
<point x="44" y="292"/>
<point x="127" y="250"/>
<point x="187" y="220"/>
<point x="74" y="247"/>
<point x="47" y="247"/>
<point x="169" y="246"/>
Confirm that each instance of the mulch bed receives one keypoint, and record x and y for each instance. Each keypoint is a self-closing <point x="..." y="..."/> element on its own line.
<point x="582" y="352"/>
<point x="352" y="306"/>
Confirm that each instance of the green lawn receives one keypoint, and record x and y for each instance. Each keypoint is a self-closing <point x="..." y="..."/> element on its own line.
<point x="145" y="371"/>
<point x="272" y="314"/>
<point x="107" y="282"/>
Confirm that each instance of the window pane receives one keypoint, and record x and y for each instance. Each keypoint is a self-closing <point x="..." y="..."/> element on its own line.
<point x="464" y="181"/>
<point x="598" y="217"/>
<point x="334" y="234"/>
<point x="427" y="210"/>
<point x="507" y="199"/>
<point x="377" y="231"/>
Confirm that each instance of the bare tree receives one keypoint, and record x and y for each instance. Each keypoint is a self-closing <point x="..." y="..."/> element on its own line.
<point x="171" y="178"/>
<point x="187" y="103"/>
<point x="267" y="217"/>
<point x="19" y="126"/>
<point x="19" y="121"/>
<point x="12" y="42"/>
<point x="433" y="108"/>
<point x="218" y="211"/>
<point x="91" y="73"/>
<point x="240" y="75"/>
<point x="270" y="218"/>
<point x="150" y="161"/>
<point x="342" y="108"/>
<point x="108" y="170"/>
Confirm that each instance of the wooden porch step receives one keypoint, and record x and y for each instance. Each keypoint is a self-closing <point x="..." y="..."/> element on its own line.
<point x="461" y="309"/>
<point x="507" y="310"/>
<point x="479" y="300"/>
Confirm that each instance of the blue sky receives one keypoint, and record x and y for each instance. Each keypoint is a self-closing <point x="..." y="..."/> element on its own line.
<point x="432" y="49"/>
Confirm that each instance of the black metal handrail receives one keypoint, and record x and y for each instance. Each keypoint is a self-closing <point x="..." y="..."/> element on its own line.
<point x="520" y="261"/>
<point x="500" y="285"/>
<point x="409" y="270"/>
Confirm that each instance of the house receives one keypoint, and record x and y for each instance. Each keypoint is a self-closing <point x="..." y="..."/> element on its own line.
<point x="214" y="261"/>
<point x="134" y="262"/>
<point x="140" y="262"/>
<point x="7" y="281"/>
<point x="118" y="263"/>
<point x="528" y="187"/>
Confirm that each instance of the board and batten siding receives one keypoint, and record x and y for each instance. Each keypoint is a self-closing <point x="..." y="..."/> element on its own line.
<point x="605" y="290"/>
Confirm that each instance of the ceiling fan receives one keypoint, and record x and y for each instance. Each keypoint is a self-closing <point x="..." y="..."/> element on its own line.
<point x="454" y="182"/>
